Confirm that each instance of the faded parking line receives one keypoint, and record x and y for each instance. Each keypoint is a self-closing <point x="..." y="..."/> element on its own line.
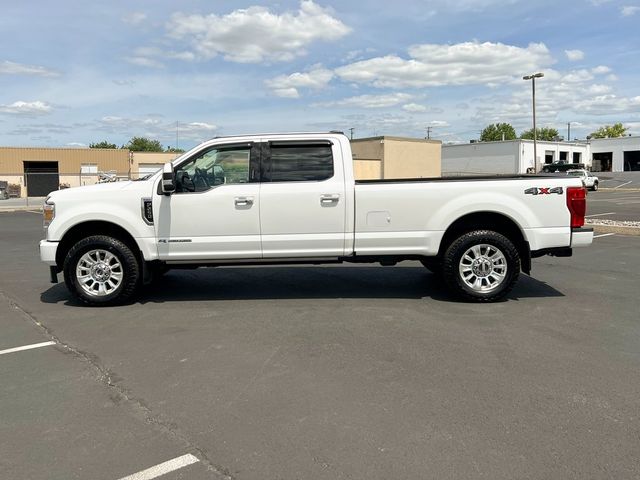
<point x="163" y="468"/>
<point x="26" y="347"/>
<point x="604" y="235"/>
<point x="599" y="214"/>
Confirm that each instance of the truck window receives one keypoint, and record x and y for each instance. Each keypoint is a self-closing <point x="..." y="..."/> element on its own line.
<point x="299" y="163"/>
<point x="214" y="167"/>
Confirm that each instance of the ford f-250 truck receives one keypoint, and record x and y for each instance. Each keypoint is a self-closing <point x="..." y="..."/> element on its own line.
<point x="292" y="198"/>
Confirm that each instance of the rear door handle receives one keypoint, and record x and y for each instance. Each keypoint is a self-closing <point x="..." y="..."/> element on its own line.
<point x="329" y="198"/>
<point x="243" y="201"/>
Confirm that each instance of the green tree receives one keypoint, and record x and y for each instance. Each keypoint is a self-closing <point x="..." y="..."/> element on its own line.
<point x="544" y="133"/>
<point x="102" y="144"/>
<point x="142" y="144"/>
<point x="610" y="131"/>
<point x="498" y="131"/>
<point x="174" y="150"/>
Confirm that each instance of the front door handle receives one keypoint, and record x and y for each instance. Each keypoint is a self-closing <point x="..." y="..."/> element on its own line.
<point x="243" y="201"/>
<point x="329" y="198"/>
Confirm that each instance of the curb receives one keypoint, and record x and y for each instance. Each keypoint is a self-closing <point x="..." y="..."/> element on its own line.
<point x="20" y="209"/>
<point x="620" y="230"/>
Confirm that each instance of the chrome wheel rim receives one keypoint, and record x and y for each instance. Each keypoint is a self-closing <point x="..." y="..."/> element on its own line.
<point x="483" y="268"/>
<point x="99" y="272"/>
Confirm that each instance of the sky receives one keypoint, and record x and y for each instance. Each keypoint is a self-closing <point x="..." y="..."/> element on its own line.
<point x="77" y="72"/>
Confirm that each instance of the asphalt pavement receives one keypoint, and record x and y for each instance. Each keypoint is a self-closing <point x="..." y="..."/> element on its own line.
<point x="334" y="372"/>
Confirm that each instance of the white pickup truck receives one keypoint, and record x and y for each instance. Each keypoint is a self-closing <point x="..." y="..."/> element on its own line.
<point x="292" y="198"/>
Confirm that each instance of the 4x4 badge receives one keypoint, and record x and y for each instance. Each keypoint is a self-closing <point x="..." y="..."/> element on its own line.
<point x="543" y="190"/>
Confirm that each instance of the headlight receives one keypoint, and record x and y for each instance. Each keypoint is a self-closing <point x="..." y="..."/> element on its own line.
<point x="48" y="212"/>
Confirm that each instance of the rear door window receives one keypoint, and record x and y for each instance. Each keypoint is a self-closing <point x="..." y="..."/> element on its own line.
<point x="296" y="162"/>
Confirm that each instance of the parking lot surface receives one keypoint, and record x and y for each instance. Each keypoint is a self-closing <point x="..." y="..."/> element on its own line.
<point x="354" y="372"/>
<point x="614" y="205"/>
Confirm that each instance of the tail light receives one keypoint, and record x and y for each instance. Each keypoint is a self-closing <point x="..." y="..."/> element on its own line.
<point x="577" y="205"/>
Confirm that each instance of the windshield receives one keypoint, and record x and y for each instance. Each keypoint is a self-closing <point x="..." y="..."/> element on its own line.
<point x="576" y="174"/>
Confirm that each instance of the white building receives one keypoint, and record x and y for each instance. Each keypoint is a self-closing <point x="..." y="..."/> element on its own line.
<point x="516" y="156"/>
<point x="616" y="154"/>
<point x="510" y="156"/>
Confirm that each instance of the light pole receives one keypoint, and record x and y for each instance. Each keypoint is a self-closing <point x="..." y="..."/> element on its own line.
<point x="535" y="133"/>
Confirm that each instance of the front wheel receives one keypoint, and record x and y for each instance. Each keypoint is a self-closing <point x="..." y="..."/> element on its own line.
<point x="101" y="270"/>
<point x="481" y="266"/>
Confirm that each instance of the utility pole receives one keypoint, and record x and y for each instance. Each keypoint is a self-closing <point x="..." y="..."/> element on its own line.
<point x="176" y="134"/>
<point x="429" y="132"/>
<point x="535" y="132"/>
<point x="568" y="131"/>
<point x="351" y="132"/>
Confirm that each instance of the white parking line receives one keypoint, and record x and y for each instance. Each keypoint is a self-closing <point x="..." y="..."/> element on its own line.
<point x="603" y="235"/>
<point x="600" y="214"/>
<point x="623" y="184"/>
<point x="26" y="347"/>
<point x="163" y="468"/>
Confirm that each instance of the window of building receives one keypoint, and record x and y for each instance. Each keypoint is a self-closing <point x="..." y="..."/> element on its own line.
<point x="563" y="156"/>
<point x="577" y="156"/>
<point x="299" y="163"/>
<point x="548" y="156"/>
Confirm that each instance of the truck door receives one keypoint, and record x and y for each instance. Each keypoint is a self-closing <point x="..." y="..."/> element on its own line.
<point x="302" y="200"/>
<point x="214" y="213"/>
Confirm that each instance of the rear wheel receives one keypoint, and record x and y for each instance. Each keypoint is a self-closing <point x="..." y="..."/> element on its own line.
<point x="481" y="266"/>
<point x="595" y="186"/>
<point x="101" y="270"/>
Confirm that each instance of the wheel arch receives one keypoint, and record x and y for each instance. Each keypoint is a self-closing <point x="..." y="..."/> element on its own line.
<point x="95" y="227"/>
<point x="488" y="220"/>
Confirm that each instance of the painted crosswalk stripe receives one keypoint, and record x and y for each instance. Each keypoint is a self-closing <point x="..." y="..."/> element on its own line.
<point x="26" y="347"/>
<point x="163" y="468"/>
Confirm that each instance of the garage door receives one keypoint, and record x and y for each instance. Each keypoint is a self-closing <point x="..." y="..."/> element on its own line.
<point x="41" y="178"/>
<point x="147" y="168"/>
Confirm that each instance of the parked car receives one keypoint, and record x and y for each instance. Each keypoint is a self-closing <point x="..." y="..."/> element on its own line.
<point x="589" y="180"/>
<point x="291" y="199"/>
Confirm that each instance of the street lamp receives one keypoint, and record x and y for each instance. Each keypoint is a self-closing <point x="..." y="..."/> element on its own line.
<point x="535" y="133"/>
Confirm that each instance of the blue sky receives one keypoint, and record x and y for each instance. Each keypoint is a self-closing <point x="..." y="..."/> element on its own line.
<point x="76" y="72"/>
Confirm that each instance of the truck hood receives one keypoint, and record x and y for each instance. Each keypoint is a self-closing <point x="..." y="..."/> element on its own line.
<point x="102" y="190"/>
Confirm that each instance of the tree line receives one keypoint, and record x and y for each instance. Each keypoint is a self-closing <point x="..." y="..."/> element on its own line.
<point x="139" y="144"/>
<point x="504" y="131"/>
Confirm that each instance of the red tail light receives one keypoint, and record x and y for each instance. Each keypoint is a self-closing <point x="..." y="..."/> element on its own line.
<point x="577" y="205"/>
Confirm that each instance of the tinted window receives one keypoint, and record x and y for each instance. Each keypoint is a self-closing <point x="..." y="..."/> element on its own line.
<point x="299" y="163"/>
<point x="214" y="167"/>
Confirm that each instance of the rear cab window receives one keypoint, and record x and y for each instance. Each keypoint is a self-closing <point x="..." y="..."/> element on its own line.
<point x="298" y="162"/>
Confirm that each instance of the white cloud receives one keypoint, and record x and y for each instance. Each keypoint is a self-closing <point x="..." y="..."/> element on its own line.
<point x="574" y="55"/>
<point x="27" y="108"/>
<point x="459" y="64"/>
<point x="288" y="85"/>
<point x="439" y="123"/>
<point x="255" y="34"/>
<point x="76" y="144"/>
<point x="156" y="127"/>
<point x="12" y="68"/>
<point x="629" y="10"/>
<point x="144" y="62"/>
<point x="600" y="70"/>
<point x="134" y="18"/>
<point x="369" y="101"/>
<point x="414" y="108"/>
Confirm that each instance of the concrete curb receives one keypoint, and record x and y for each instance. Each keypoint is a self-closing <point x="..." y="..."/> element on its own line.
<point x="619" y="229"/>
<point x="20" y="209"/>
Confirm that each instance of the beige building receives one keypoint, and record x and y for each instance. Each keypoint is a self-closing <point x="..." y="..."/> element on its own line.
<point x="37" y="171"/>
<point x="144" y="163"/>
<point x="395" y="157"/>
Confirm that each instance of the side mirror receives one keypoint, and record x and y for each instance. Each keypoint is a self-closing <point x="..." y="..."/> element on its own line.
<point x="168" y="179"/>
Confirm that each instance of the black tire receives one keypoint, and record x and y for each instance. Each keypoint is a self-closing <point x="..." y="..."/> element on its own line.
<point x="595" y="186"/>
<point x="433" y="264"/>
<point x="128" y="268"/>
<point x="458" y="283"/>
